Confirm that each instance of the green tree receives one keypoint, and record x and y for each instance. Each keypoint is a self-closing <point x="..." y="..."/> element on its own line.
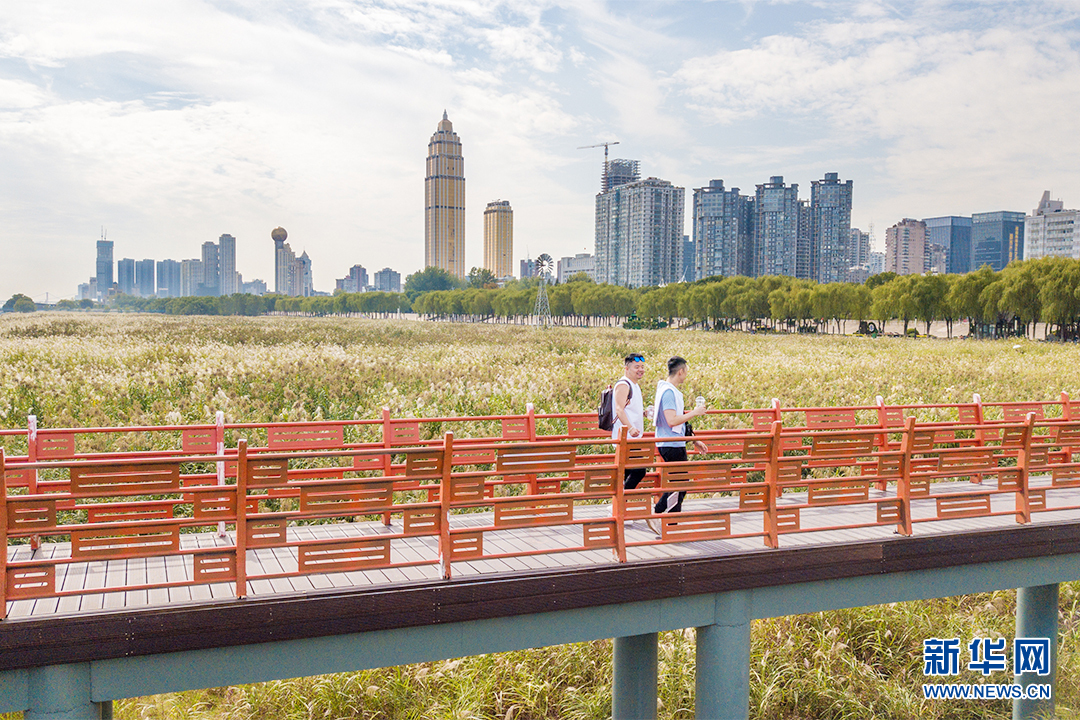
<point x="428" y="280"/>
<point x="10" y="304"/>
<point x="482" y="278"/>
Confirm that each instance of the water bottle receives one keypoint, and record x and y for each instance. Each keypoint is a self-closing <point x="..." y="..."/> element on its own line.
<point x="700" y="401"/>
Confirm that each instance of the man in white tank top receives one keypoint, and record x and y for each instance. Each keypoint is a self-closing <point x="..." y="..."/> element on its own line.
<point x="630" y="409"/>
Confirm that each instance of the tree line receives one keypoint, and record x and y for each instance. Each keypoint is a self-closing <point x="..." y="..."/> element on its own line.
<point x="993" y="304"/>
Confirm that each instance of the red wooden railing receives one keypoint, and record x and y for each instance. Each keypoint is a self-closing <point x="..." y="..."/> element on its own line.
<point x="778" y="468"/>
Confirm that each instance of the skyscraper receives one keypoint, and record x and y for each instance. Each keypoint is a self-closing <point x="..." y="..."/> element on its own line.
<point x="830" y="228"/>
<point x="723" y="231"/>
<point x="356" y="281"/>
<point x="104" y="267"/>
<point x="227" y="262"/>
<point x="144" y="278"/>
<point x="303" y="272"/>
<point x="125" y="276"/>
<point x="387" y="280"/>
<point x="168" y="278"/>
<point x="906" y="249"/>
<point x="444" y="202"/>
<point x="639" y="231"/>
<point x="997" y="238"/>
<point x="191" y="277"/>
<point x="211" y="264"/>
<point x="283" y="261"/>
<point x="1051" y="230"/>
<point x="499" y="238"/>
<point x="952" y="234"/>
<point x="776" y="228"/>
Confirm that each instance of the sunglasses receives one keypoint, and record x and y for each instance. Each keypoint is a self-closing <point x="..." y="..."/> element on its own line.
<point x="636" y="358"/>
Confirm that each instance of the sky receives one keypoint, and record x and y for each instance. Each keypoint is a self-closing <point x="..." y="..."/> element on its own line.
<point x="170" y="123"/>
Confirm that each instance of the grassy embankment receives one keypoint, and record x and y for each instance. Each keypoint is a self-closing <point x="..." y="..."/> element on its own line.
<point x="861" y="663"/>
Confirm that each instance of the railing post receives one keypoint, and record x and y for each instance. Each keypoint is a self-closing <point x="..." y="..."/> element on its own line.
<point x="388" y="459"/>
<point x="1066" y="411"/>
<point x="903" y="485"/>
<point x="3" y="536"/>
<point x="241" y="517"/>
<point x="219" y="436"/>
<point x="618" y="505"/>
<point x="772" y="474"/>
<point x="445" y="547"/>
<point x="530" y="421"/>
<point x="1023" y="461"/>
<point x="777" y="410"/>
<point x="979" y="418"/>
<point x="882" y="440"/>
<point x="31" y="456"/>
<point x="1037" y="617"/>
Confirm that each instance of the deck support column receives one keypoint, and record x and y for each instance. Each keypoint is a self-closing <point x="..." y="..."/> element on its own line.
<point x="722" y="686"/>
<point x="633" y="695"/>
<point x="1037" y="617"/>
<point x="62" y="692"/>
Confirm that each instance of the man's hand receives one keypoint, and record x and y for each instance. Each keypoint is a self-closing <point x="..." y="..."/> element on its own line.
<point x="634" y="432"/>
<point x="700" y="447"/>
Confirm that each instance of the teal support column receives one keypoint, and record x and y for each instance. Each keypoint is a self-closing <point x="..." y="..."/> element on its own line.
<point x="722" y="686"/>
<point x="633" y="695"/>
<point x="1037" y="617"/>
<point x="61" y="692"/>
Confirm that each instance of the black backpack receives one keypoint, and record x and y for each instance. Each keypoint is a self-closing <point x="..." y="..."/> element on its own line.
<point x="605" y="413"/>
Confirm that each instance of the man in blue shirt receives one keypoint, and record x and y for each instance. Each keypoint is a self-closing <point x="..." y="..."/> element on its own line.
<point x="671" y="418"/>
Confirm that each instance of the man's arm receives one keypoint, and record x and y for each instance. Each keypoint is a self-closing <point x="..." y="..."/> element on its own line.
<point x="674" y="419"/>
<point x="619" y="398"/>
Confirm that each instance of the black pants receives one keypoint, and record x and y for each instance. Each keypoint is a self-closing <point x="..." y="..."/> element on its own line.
<point x="671" y="501"/>
<point x="633" y="477"/>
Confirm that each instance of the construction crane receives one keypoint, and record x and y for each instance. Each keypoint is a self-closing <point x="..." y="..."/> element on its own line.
<point x="604" y="145"/>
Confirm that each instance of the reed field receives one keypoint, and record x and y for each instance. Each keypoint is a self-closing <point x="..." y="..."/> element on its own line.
<point x="120" y="369"/>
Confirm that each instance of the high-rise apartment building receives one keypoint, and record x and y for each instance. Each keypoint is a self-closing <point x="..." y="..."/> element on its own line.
<point x="997" y="238"/>
<point x="619" y="172"/>
<point x="723" y="231"/>
<point x="191" y="277"/>
<point x="830" y="229"/>
<point x="499" y="238"/>
<point x="144" y="278"/>
<point x="387" y="280"/>
<point x="104" y="267"/>
<point x="444" y="202"/>
<point x="906" y="249"/>
<point x="168" y="278"/>
<point x="952" y="234"/>
<point x="639" y="231"/>
<point x="1051" y="230"/>
<point x="858" y="247"/>
<point x="527" y="268"/>
<point x="688" y="272"/>
<point x="303" y="271"/>
<point x="356" y="281"/>
<point x="776" y="228"/>
<point x="211" y="264"/>
<point x="227" y="263"/>
<point x="292" y="275"/>
<point x="125" y="276"/>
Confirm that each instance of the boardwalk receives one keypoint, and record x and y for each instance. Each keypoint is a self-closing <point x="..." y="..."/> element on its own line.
<point x="639" y="540"/>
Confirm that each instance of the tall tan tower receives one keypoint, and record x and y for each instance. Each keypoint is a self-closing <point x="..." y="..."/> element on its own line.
<point x="444" y="207"/>
<point x="499" y="238"/>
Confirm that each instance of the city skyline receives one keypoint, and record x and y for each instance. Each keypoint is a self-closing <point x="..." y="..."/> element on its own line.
<point x="125" y="117"/>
